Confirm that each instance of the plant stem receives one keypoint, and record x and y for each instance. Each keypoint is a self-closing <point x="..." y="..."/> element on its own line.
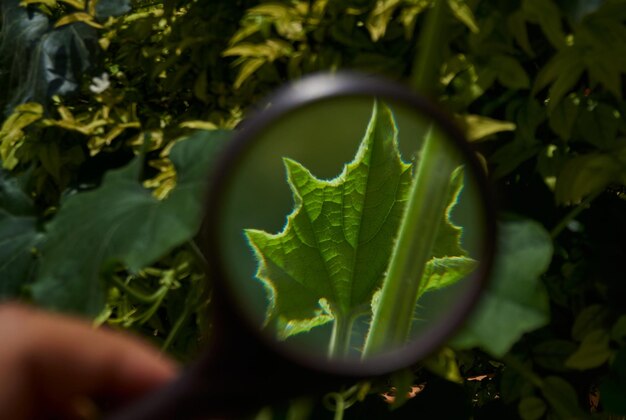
<point x="180" y="321"/>
<point x="141" y="297"/>
<point x="193" y="247"/>
<point x="340" y="338"/>
<point x="392" y="319"/>
<point x="427" y="63"/>
<point x="556" y="231"/>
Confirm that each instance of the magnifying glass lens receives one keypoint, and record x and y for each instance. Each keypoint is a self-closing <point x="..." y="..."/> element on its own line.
<point x="352" y="228"/>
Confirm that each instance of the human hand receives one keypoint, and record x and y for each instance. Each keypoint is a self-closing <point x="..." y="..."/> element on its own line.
<point x="53" y="366"/>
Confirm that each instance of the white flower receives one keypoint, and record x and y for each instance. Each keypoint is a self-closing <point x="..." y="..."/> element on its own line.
<point x="100" y="84"/>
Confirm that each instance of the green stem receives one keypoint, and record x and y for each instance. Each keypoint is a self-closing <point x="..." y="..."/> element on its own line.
<point x="392" y="319"/>
<point x="193" y="247"/>
<point x="141" y="297"/>
<point x="340" y="338"/>
<point x="178" y="324"/>
<point x="335" y="401"/>
<point x="556" y="231"/>
<point x="426" y="66"/>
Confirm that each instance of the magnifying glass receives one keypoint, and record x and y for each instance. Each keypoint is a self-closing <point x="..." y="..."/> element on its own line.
<point x="349" y="231"/>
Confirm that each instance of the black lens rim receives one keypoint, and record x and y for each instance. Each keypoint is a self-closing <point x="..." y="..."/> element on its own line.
<point x="313" y="89"/>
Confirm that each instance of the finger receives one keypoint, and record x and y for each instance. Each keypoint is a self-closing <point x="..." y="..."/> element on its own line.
<point x="56" y="359"/>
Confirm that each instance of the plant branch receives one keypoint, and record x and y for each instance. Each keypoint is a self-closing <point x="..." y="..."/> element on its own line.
<point x="556" y="231"/>
<point x="426" y="66"/>
<point x="141" y="297"/>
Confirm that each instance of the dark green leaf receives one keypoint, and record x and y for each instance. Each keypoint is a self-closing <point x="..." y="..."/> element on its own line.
<point x="515" y="301"/>
<point x="593" y="351"/>
<point x="510" y="72"/>
<point x="563" y="117"/>
<point x="551" y="354"/>
<point x="111" y="8"/>
<point x="584" y="175"/>
<point x="562" y="71"/>
<point x="598" y="125"/>
<point x="59" y="62"/>
<point x="531" y="408"/>
<point x="562" y="398"/>
<point x="548" y="16"/>
<point x="576" y="10"/>
<point x="121" y="223"/>
<point x="21" y="29"/>
<point x="591" y="318"/>
<point x="618" y="331"/>
<point x="514" y="386"/>
<point x="19" y="237"/>
<point x="517" y="27"/>
<point x="17" y="253"/>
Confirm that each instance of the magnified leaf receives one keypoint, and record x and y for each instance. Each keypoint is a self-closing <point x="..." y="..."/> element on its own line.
<point x="337" y="242"/>
<point x="121" y="222"/>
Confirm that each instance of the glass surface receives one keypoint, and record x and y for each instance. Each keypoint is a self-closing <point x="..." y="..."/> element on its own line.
<point x="350" y="228"/>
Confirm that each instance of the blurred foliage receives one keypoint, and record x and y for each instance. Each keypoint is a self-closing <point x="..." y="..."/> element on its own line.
<point x="90" y="87"/>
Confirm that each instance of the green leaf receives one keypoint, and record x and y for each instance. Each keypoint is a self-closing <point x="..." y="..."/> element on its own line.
<point x="477" y="127"/>
<point x="121" y="223"/>
<point x="12" y="132"/>
<point x="515" y="301"/>
<point x="511" y="155"/>
<point x="548" y="16"/>
<point x="379" y="18"/>
<point x="531" y="408"/>
<point x="578" y="9"/>
<point x="618" y="331"/>
<point x="564" y="116"/>
<point x="17" y="252"/>
<point x="339" y="231"/>
<point x="517" y="26"/>
<point x="337" y="242"/>
<point x="563" y="71"/>
<point x="584" y="175"/>
<point x="594" y="351"/>
<point x="444" y="364"/>
<point x="19" y="237"/>
<point x="443" y="272"/>
<point x="591" y="318"/>
<point x="462" y="11"/>
<point x="562" y="398"/>
<point x="247" y="69"/>
<point x="551" y="354"/>
<point x="111" y="8"/>
<point x="510" y="72"/>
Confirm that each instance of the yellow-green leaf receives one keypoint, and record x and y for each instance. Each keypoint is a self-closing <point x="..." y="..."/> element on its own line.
<point x="247" y="69"/>
<point x="12" y="132"/>
<point x="463" y="13"/>
<point x="78" y="17"/>
<point x="477" y="127"/>
<point x="594" y="351"/>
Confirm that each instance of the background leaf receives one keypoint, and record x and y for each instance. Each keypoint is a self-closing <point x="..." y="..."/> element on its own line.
<point x="131" y="227"/>
<point x="515" y="301"/>
<point x="19" y="237"/>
